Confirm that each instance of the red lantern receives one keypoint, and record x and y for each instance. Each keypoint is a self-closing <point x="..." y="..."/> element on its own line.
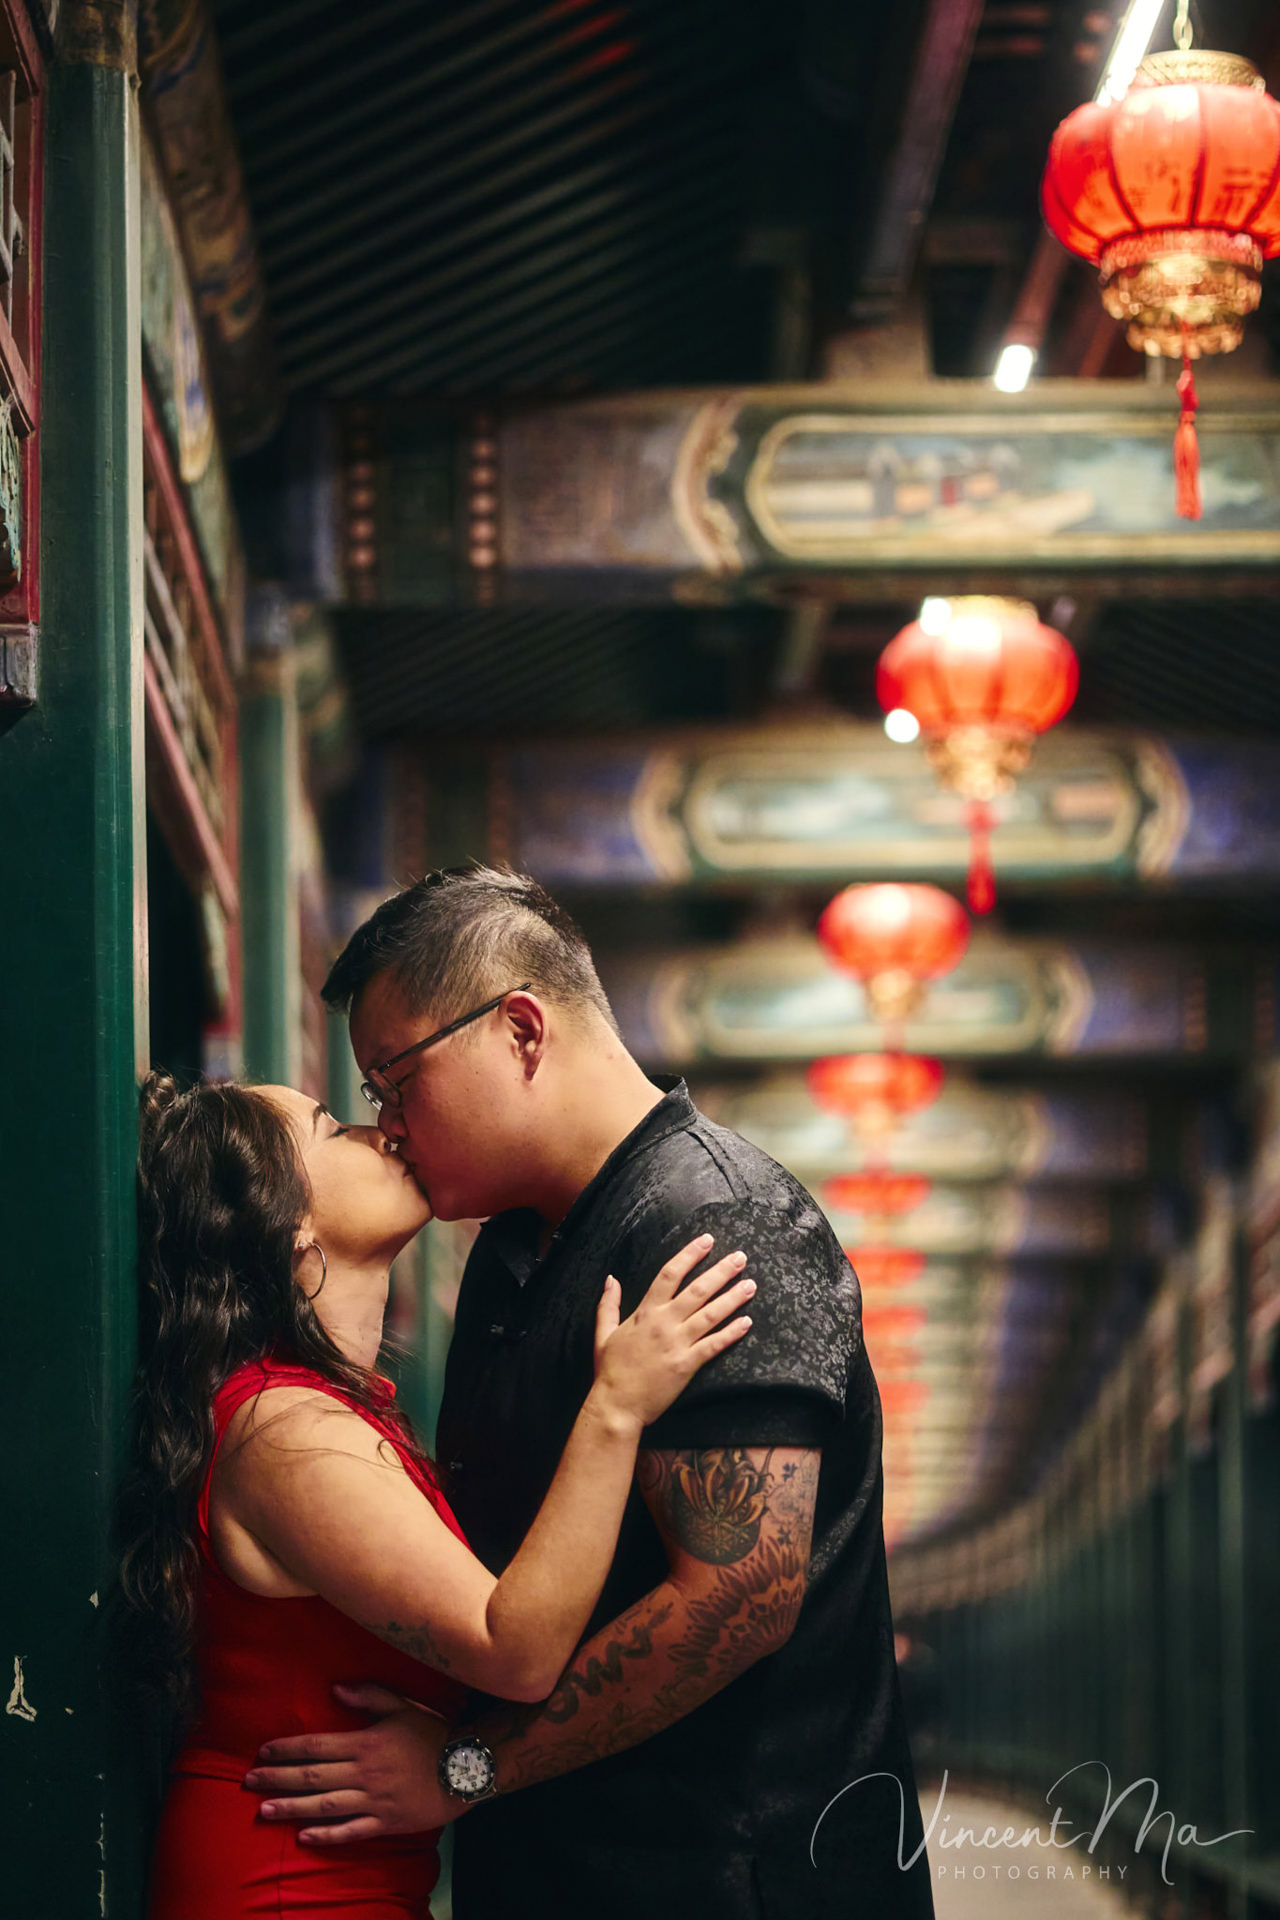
<point x="901" y="1396"/>
<point x="880" y="1194"/>
<point x="1174" y="193"/>
<point x="885" y="1266"/>
<point x="894" y="1326"/>
<point x="983" y="677"/>
<point x="875" y="1089"/>
<point x="894" y="937"/>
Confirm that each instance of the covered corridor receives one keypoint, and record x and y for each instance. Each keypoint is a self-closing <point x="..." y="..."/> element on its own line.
<point x="570" y="437"/>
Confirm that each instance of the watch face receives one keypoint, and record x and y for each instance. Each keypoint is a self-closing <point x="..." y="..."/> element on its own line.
<point x="470" y="1767"/>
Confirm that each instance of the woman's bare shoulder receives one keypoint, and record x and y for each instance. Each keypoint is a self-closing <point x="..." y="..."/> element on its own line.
<point x="276" y="1426"/>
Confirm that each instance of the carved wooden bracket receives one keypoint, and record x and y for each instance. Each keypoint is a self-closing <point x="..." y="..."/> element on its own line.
<point x="19" y="659"/>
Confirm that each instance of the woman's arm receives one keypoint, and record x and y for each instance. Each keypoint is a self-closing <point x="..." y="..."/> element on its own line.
<point x="328" y="1501"/>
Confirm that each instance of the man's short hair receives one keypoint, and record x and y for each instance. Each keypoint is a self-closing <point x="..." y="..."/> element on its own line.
<point x="460" y="935"/>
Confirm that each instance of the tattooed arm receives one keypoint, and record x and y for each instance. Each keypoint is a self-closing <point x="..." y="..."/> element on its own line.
<point x="308" y="1498"/>
<point x="736" y="1523"/>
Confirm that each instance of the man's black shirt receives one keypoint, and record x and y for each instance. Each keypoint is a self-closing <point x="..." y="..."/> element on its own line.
<point x="714" y="1816"/>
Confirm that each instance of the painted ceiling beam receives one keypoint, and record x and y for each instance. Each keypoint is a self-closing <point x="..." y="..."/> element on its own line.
<point x="970" y="1132"/>
<point x="780" y="999"/>
<point x="719" y="496"/>
<point x="836" y="801"/>
<point x="187" y="108"/>
<point x="1037" y="1222"/>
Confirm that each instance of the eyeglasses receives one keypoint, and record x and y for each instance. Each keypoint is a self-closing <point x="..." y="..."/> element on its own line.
<point x="381" y="1092"/>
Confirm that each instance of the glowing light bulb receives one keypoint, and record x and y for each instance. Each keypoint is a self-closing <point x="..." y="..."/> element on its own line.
<point x="901" y="726"/>
<point x="1013" y="368"/>
<point x="935" y="615"/>
<point x="975" y="633"/>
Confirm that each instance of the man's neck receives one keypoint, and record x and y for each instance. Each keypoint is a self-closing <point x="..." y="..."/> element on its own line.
<point x="611" y="1095"/>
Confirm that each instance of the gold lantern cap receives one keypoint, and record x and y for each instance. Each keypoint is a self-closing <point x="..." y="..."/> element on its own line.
<point x="1197" y="66"/>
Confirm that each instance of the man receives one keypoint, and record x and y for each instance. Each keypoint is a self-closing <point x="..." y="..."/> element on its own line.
<point x="708" y="1749"/>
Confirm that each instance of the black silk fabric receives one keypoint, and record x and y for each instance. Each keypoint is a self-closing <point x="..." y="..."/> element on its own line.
<point x="755" y="1806"/>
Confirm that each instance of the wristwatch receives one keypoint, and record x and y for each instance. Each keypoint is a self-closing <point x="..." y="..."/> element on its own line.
<point x="468" y="1769"/>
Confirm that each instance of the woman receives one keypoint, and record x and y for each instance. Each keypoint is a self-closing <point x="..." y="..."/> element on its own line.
<point x="288" y="1533"/>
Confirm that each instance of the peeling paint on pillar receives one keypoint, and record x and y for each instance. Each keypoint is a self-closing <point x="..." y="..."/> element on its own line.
<point x="18" y="1704"/>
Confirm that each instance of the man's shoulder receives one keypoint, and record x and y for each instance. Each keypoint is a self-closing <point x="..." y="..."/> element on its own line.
<point x="723" y="1165"/>
<point x="706" y="1170"/>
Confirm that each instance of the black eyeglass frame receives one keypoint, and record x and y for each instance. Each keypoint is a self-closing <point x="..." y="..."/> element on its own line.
<point x="392" y="1097"/>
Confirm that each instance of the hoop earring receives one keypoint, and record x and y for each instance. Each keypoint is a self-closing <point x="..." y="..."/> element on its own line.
<point x="324" y="1270"/>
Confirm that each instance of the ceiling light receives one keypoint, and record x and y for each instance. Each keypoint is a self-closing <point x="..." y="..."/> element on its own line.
<point x="901" y="726"/>
<point x="1013" y="368"/>
<point x="1130" y="47"/>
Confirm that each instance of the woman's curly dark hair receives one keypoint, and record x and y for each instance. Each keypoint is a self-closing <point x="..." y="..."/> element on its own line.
<point x="221" y="1196"/>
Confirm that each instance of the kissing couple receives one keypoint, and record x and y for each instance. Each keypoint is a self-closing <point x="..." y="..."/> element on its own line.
<point x="628" y="1630"/>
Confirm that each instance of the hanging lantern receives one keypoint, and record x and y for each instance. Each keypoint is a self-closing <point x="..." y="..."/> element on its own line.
<point x="880" y="1195"/>
<point x="895" y="938"/>
<point x="892" y="1326"/>
<point x="904" y="1395"/>
<point x="1173" y="192"/>
<point x="885" y="1266"/>
<point x="983" y="677"/>
<point x="875" y="1090"/>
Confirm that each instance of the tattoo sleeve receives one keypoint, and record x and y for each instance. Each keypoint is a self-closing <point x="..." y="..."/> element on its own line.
<point x="737" y="1524"/>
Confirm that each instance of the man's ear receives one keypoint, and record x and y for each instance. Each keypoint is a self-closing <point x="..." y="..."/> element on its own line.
<point x="526" y="1019"/>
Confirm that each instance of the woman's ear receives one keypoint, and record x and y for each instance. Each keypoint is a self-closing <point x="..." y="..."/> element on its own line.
<point x="304" y="1237"/>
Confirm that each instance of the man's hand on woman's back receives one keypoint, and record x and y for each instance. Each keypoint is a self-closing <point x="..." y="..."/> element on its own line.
<point x="378" y="1780"/>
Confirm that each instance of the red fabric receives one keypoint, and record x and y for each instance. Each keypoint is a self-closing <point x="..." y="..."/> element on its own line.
<point x="266" y="1669"/>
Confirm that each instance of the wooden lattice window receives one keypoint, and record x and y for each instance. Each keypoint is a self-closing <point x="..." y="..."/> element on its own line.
<point x="191" y="706"/>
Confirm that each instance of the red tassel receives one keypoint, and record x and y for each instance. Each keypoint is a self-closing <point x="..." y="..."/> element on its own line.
<point x="1186" y="448"/>
<point x="982" y="880"/>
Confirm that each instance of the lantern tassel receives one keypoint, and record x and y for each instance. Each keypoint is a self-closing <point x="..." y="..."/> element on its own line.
<point x="981" y="889"/>
<point x="1186" y="448"/>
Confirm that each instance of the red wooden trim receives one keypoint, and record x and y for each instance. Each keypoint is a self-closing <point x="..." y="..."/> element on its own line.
<point x="22" y="601"/>
<point x="157" y="448"/>
<point x="35" y="312"/>
<point x="21" y="384"/>
<point x="231" y="842"/>
<point x="194" y="818"/>
<point x="22" y="371"/>
<point x="27" y="47"/>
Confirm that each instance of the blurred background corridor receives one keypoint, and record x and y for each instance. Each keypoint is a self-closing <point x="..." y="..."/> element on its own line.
<point x="513" y="432"/>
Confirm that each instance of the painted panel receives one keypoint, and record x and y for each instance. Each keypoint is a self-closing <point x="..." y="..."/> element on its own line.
<point x="781" y="1000"/>
<point x="979" y="1219"/>
<point x="712" y="496"/>
<point x="970" y="1132"/>
<point x="839" y="801"/>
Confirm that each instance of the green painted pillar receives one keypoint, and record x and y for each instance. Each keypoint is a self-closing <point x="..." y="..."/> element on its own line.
<point x="269" y="791"/>
<point x="74" y="1020"/>
<point x="435" y="1326"/>
<point x="1178" y="1763"/>
<point x="1234" y="1577"/>
<point x="346" y="1101"/>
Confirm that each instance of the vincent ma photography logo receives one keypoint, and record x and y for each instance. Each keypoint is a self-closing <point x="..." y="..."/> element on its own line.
<point x="1043" y="1851"/>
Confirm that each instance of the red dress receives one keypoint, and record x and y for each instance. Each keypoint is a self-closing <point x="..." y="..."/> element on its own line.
<point x="266" y="1669"/>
